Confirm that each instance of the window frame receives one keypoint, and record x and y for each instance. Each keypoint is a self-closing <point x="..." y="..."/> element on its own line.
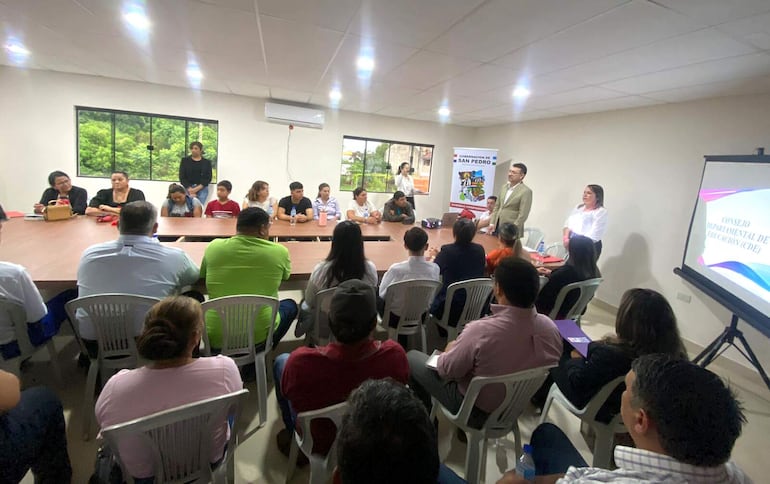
<point x="151" y="116"/>
<point x="390" y="143"/>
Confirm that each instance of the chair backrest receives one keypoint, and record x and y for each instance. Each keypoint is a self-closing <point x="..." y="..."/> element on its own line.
<point x="556" y="249"/>
<point x="597" y="401"/>
<point x="417" y="295"/>
<point x="304" y="438"/>
<point x="179" y="439"/>
<point x="586" y="289"/>
<point x="16" y="314"/>
<point x="238" y="315"/>
<point x="114" y="317"/>
<point x="449" y="218"/>
<point x="519" y="388"/>
<point x="477" y="294"/>
<point x="532" y="237"/>
<point x="323" y="301"/>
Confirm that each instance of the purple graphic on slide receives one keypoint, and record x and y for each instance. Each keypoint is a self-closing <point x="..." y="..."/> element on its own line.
<point x="717" y="193"/>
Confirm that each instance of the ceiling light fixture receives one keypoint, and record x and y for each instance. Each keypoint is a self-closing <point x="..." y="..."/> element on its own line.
<point x="521" y="92"/>
<point x="16" y="49"/>
<point x="444" y="111"/>
<point x="194" y="72"/>
<point x="365" y="64"/>
<point x="136" y="17"/>
<point x="335" y="95"/>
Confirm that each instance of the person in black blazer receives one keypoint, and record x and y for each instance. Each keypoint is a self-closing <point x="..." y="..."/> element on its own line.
<point x="459" y="261"/>
<point x="580" y="266"/>
<point x="645" y="324"/>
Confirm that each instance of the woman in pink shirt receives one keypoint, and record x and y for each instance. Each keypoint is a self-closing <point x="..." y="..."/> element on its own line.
<point x="172" y="330"/>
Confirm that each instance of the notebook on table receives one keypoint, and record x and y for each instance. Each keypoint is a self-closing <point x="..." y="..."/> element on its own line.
<point x="573" y="335"/>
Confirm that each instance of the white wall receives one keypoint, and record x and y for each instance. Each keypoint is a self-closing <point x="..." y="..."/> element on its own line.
<point x="649" y="161"/>
<point x="37" y="135"/>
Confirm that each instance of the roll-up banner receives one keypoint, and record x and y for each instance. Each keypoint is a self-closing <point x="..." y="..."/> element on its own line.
<point x="473" y="178"/>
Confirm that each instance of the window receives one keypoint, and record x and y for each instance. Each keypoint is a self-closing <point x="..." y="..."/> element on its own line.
<point x="146" y="146"/>
<point x="373" y="164"/>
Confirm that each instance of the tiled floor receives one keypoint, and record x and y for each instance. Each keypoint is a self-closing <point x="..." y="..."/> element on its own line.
<point x="258" y="460"/>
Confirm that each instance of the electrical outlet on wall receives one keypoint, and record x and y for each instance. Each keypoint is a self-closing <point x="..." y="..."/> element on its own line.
<point x="684" y="297"/>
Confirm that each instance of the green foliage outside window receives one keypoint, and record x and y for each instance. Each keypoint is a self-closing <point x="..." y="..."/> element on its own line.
<point x="147" y="147"/>
<point x="373" y="164"/>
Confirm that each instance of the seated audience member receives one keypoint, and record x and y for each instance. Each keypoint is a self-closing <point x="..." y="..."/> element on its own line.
<point x="509" y="246"/>
<point x="16" y="286"/>
<point x="298" y="201"/>
<point x="514" y="338"/>
<point x="195" y="173"/>
<point x="172" y="331"/>
<point x="61" y="191"/>
<point x="362" y="210"/>
<point x="386" y="437"/>
<point x="346" y="260"/>
<point x="248" y="263"/>
<point x="314" y="378"/>
<point x="397" y="209"/>
<point x="459" y="261"/>
<point x="223" y="206"/>
<point x="111" y="200"/>
<point x="32" y="434"/>
<point x="326" y="203"/>
<point x="645" y="324"/>
<point x="179" y="204"/>
<point x="580" y="266"/>
<point x="259" y="196"/>
<point x="682" y="418"/>
<point x="415" y="267"/>
<point x="483" y="219"/>
<point x="135" y="263"/>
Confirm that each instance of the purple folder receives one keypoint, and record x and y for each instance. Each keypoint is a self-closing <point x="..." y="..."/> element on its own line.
<point x="573" y="335"/>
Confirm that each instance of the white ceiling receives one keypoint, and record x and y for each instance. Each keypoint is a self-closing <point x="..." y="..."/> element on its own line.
<point x="576" y="56"/>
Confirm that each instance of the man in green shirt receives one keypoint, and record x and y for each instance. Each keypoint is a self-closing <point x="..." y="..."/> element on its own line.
<point x="248" y="263"/>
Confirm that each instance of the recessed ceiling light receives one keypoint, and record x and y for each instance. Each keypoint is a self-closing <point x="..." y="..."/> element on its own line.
<point x="335" y="95"/>
<point x="16" y="49"/>
<point x="136" y="17"/>
<point x="365" y="63"/>
<point x="521" y="92"/>
<point x="444" y="111"/>
<point x="194" y="73"/>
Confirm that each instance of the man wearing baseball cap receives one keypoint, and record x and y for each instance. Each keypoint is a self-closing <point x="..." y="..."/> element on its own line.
<point x="314" y="378"/>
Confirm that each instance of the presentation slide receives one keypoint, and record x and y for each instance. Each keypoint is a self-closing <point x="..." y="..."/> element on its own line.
<point x="729" y="242"/>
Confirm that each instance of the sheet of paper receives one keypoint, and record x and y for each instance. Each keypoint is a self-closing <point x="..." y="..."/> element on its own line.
<point x="433" y="359"/>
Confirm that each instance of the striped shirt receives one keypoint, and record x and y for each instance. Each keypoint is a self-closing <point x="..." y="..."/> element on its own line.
<point x="637" y="465"/>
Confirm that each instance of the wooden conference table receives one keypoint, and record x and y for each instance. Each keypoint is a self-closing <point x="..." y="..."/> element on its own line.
<point x="50" y="251"/>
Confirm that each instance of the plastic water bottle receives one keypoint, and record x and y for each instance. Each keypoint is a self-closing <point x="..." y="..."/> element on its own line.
<point x="366" y="213"/>
<point x="541" y="248"/>
<point x="525" y="466"/>
<point x="270" y="211"/>
<point x="293" y="220"/>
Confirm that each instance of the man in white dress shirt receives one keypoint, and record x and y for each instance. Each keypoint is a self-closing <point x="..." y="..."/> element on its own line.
<point x="135" y="263"/>
<point x="484" y="218"/>
<point x="683" y="419"/>
<point x="415" y="267"/>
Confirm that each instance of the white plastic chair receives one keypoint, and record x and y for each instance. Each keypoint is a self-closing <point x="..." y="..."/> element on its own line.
<point x="477" y="292"/>
<point x="114" y="317"/>
<point x="557" y="249"/>
<point x="17" y="315"/>
<point x="605" y="432"/>
<point x="321" y="466"/>
<point x="519" y="388"/>
<point x="417" y="295"/>
<point x="586" y="289"/>
<point x="179" y="440"/>
<point x="321" y="333"/>
<point x="237" y="315"/>
<point x="532" y="237"/>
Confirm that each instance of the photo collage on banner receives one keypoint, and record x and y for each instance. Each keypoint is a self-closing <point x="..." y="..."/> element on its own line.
<point x="473" y="178"/>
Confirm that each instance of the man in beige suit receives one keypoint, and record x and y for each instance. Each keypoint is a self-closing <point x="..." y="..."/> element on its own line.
<point x="514" y="202"/>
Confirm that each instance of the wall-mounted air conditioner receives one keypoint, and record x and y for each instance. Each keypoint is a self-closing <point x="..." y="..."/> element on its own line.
<point x="298" y="116"/>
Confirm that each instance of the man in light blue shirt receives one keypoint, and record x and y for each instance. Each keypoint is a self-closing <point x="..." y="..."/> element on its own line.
<point x="135" y="263"/>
